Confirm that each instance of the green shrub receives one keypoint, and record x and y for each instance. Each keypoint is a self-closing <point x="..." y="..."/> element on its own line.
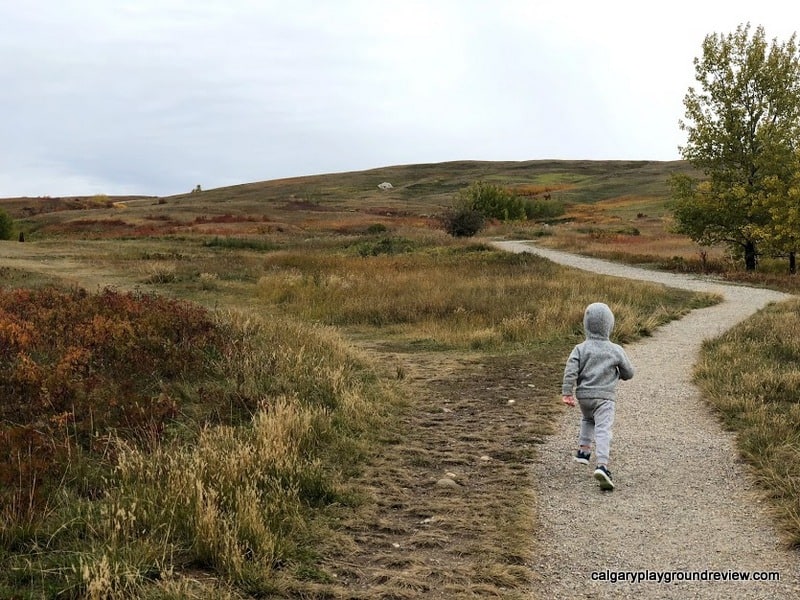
<point x="493" y="201"/>
<point x="496" y="202"/>
<point x="6" y="225"/>
<point x="377" y="228"/>
<point x="628" y="230"/>
<point x="386" y="245"/>
<point x="234" y="243"/>
<point x="540" y="210"/>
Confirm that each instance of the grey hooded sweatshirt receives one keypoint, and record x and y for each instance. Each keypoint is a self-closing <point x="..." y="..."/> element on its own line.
<point x="595" y="365"/>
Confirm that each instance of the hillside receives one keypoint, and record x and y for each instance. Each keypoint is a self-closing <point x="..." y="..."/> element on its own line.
<point x="419" y="191"/>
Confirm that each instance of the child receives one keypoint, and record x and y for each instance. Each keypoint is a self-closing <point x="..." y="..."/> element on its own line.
<point x="592" y="371"/>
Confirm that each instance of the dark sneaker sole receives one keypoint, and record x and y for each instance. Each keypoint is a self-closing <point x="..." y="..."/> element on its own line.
<point x="604" y="480"/>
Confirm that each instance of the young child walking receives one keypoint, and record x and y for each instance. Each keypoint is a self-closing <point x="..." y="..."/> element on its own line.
<point x="593" y="368"/>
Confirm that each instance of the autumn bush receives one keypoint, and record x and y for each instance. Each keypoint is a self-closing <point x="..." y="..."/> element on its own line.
<point x="76" y="368"/>
<point x="481" y="200"/>
<point x="463" y="222"/>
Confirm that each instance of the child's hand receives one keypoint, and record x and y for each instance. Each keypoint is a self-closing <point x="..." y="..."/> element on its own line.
<point x="569" y="400"/>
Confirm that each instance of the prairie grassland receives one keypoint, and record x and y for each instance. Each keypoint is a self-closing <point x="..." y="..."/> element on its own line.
<point x="449" y="305"/>
<point x="638" y="230"/>
<point x="227" y="510"/>
<point x="631" y="229"/>
<point x="750" y="376"/>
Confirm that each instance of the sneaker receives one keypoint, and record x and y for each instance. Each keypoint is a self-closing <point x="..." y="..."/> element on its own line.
<point x="582" y="457"/>
<point x="603" y="475"/>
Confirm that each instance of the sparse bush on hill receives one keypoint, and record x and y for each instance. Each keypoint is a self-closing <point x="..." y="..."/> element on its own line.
<point x="100" y="200"/>
<point x="483" y="200"/>
<point x="493" y="201"/>
<point x="385" y="245"/>
<point x="6" y="225"/>
<point x="377" y="228"/>
<point x="542" y="209"/>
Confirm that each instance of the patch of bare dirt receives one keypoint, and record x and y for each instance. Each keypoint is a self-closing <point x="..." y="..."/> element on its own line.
<point x="450" y="511"/>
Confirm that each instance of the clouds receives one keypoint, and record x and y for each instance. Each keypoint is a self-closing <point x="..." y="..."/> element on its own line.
<point x="155" y="97"/>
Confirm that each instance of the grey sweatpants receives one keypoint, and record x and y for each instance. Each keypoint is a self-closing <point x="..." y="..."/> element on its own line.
<point x="596" y="423"/>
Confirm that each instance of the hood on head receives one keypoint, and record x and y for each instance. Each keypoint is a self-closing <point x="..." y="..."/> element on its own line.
<point x="598" y="321"/>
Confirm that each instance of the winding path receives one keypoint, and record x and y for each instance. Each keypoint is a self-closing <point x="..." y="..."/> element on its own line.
<point x="684" y="502"/>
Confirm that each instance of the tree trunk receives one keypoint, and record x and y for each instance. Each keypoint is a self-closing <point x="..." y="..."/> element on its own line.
<point x="792" y="263"/>
<point x="750" y="256"/>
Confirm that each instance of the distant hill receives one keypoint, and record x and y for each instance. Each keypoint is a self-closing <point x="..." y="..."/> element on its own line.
<point x="588" y="180"/>
<point x="579" y="181"/>
<point x="420" y="189"/>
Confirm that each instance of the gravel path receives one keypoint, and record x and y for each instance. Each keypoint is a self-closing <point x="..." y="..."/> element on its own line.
<point x="683" y="502"/>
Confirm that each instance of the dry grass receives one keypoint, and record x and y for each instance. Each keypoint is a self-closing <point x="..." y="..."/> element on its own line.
<point x="750" y="376"/>
<point x="473" y="421"/>
<point x="406" y="537"/>
<point x="632" y="229"/>
<point x="238" y="501"/>
<point x="462" y="295"/>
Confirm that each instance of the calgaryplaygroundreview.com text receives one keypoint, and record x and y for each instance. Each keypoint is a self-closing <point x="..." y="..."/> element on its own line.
<point x="667" y="577"/>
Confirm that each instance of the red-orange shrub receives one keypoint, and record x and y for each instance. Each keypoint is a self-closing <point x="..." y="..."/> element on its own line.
<point x="76" y="367"/>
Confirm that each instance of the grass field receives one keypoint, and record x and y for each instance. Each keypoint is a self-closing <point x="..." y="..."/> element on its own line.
<point x="750" y="376"/>
<point x="367" y="355"/>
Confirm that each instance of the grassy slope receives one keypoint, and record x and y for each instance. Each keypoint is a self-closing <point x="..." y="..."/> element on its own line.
<point x="418" y="189"/>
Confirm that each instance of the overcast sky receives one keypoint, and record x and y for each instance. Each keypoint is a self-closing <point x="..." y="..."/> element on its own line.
<point x="158" y="96"/>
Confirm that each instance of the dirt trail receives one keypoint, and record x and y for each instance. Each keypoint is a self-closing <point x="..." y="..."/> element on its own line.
<point x="683" y="502"/>
<point x="418" y="538"/>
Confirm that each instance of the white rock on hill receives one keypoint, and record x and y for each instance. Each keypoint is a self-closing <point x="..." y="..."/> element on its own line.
<point x="385" y="185"/>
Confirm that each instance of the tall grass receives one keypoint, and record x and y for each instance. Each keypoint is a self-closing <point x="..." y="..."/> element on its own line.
<point x="750" y="376"/>
<point x="235" y="499"/>
<point x="461" y="296"/>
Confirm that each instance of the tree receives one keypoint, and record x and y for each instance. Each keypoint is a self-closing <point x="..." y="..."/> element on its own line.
<point x="782" y="200"/>
<point x="742" y="131"/>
